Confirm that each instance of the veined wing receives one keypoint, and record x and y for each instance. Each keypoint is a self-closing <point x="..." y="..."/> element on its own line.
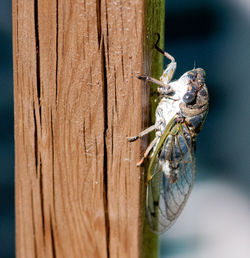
<point x="170" y="177"/>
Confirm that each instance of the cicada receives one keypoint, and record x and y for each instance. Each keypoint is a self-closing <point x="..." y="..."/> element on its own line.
<point x="179" y="118"/>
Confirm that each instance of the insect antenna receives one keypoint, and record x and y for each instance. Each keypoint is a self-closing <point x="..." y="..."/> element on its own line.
<point x="194" y="64"/>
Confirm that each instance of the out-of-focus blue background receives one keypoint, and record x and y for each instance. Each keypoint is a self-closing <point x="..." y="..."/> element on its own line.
<point x="7" y="240"/>
<point x="216" y="220"/>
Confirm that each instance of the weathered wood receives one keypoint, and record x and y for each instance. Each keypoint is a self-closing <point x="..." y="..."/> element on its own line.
<point x="78" y="191"/>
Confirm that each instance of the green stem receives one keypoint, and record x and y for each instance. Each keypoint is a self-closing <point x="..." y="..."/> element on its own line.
<point x="153" y="66"/>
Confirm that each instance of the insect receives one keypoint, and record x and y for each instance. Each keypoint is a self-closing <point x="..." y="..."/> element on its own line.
<point x="179" y="118"/>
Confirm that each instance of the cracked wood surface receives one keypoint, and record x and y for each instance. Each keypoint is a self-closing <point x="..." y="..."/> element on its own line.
<point x="78" y="191"/>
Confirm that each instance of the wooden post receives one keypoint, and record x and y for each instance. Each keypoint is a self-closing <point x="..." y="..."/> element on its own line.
<point x="78" y="191"/>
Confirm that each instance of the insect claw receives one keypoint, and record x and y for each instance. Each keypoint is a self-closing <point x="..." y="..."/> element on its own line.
<point x="140" y="162"/>
<point x="132" y="139"/>
<point x="142" y="77"/>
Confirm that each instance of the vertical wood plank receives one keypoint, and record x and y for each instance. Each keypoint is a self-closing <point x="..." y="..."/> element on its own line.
<point x="78" y="191"/>
<point x="59" y="130"/>
<point x="123" y="38"/>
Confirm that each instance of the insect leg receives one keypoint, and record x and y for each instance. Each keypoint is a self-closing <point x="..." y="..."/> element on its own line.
<point x="167" y="55"/>
<point x="164" y="88"/>
<point x="149" y="148"/>
<point x="144" y="132"/>
<point x="169" y="71"/>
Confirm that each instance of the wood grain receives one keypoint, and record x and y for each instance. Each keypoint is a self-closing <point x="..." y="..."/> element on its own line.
<point x="78" y="191"/>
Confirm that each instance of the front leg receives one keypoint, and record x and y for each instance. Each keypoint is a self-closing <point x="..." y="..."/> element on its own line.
<point x="164" y="89"/>
<point x="166" y="54"/>
<point x="144" y="132"/>
<point x="169" y="71"/>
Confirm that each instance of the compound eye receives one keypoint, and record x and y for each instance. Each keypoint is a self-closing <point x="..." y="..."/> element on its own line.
<point x="189" y="97"/>
<point x="192" y="75"/>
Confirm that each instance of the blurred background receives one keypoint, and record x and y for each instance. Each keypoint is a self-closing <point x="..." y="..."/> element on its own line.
<point x="216" y="221"/>
<point x="216" y="36"/>
<point x="7" y="229"/>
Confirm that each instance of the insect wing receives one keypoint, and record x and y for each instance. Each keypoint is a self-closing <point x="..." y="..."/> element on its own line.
<point x="172" y="171"/>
